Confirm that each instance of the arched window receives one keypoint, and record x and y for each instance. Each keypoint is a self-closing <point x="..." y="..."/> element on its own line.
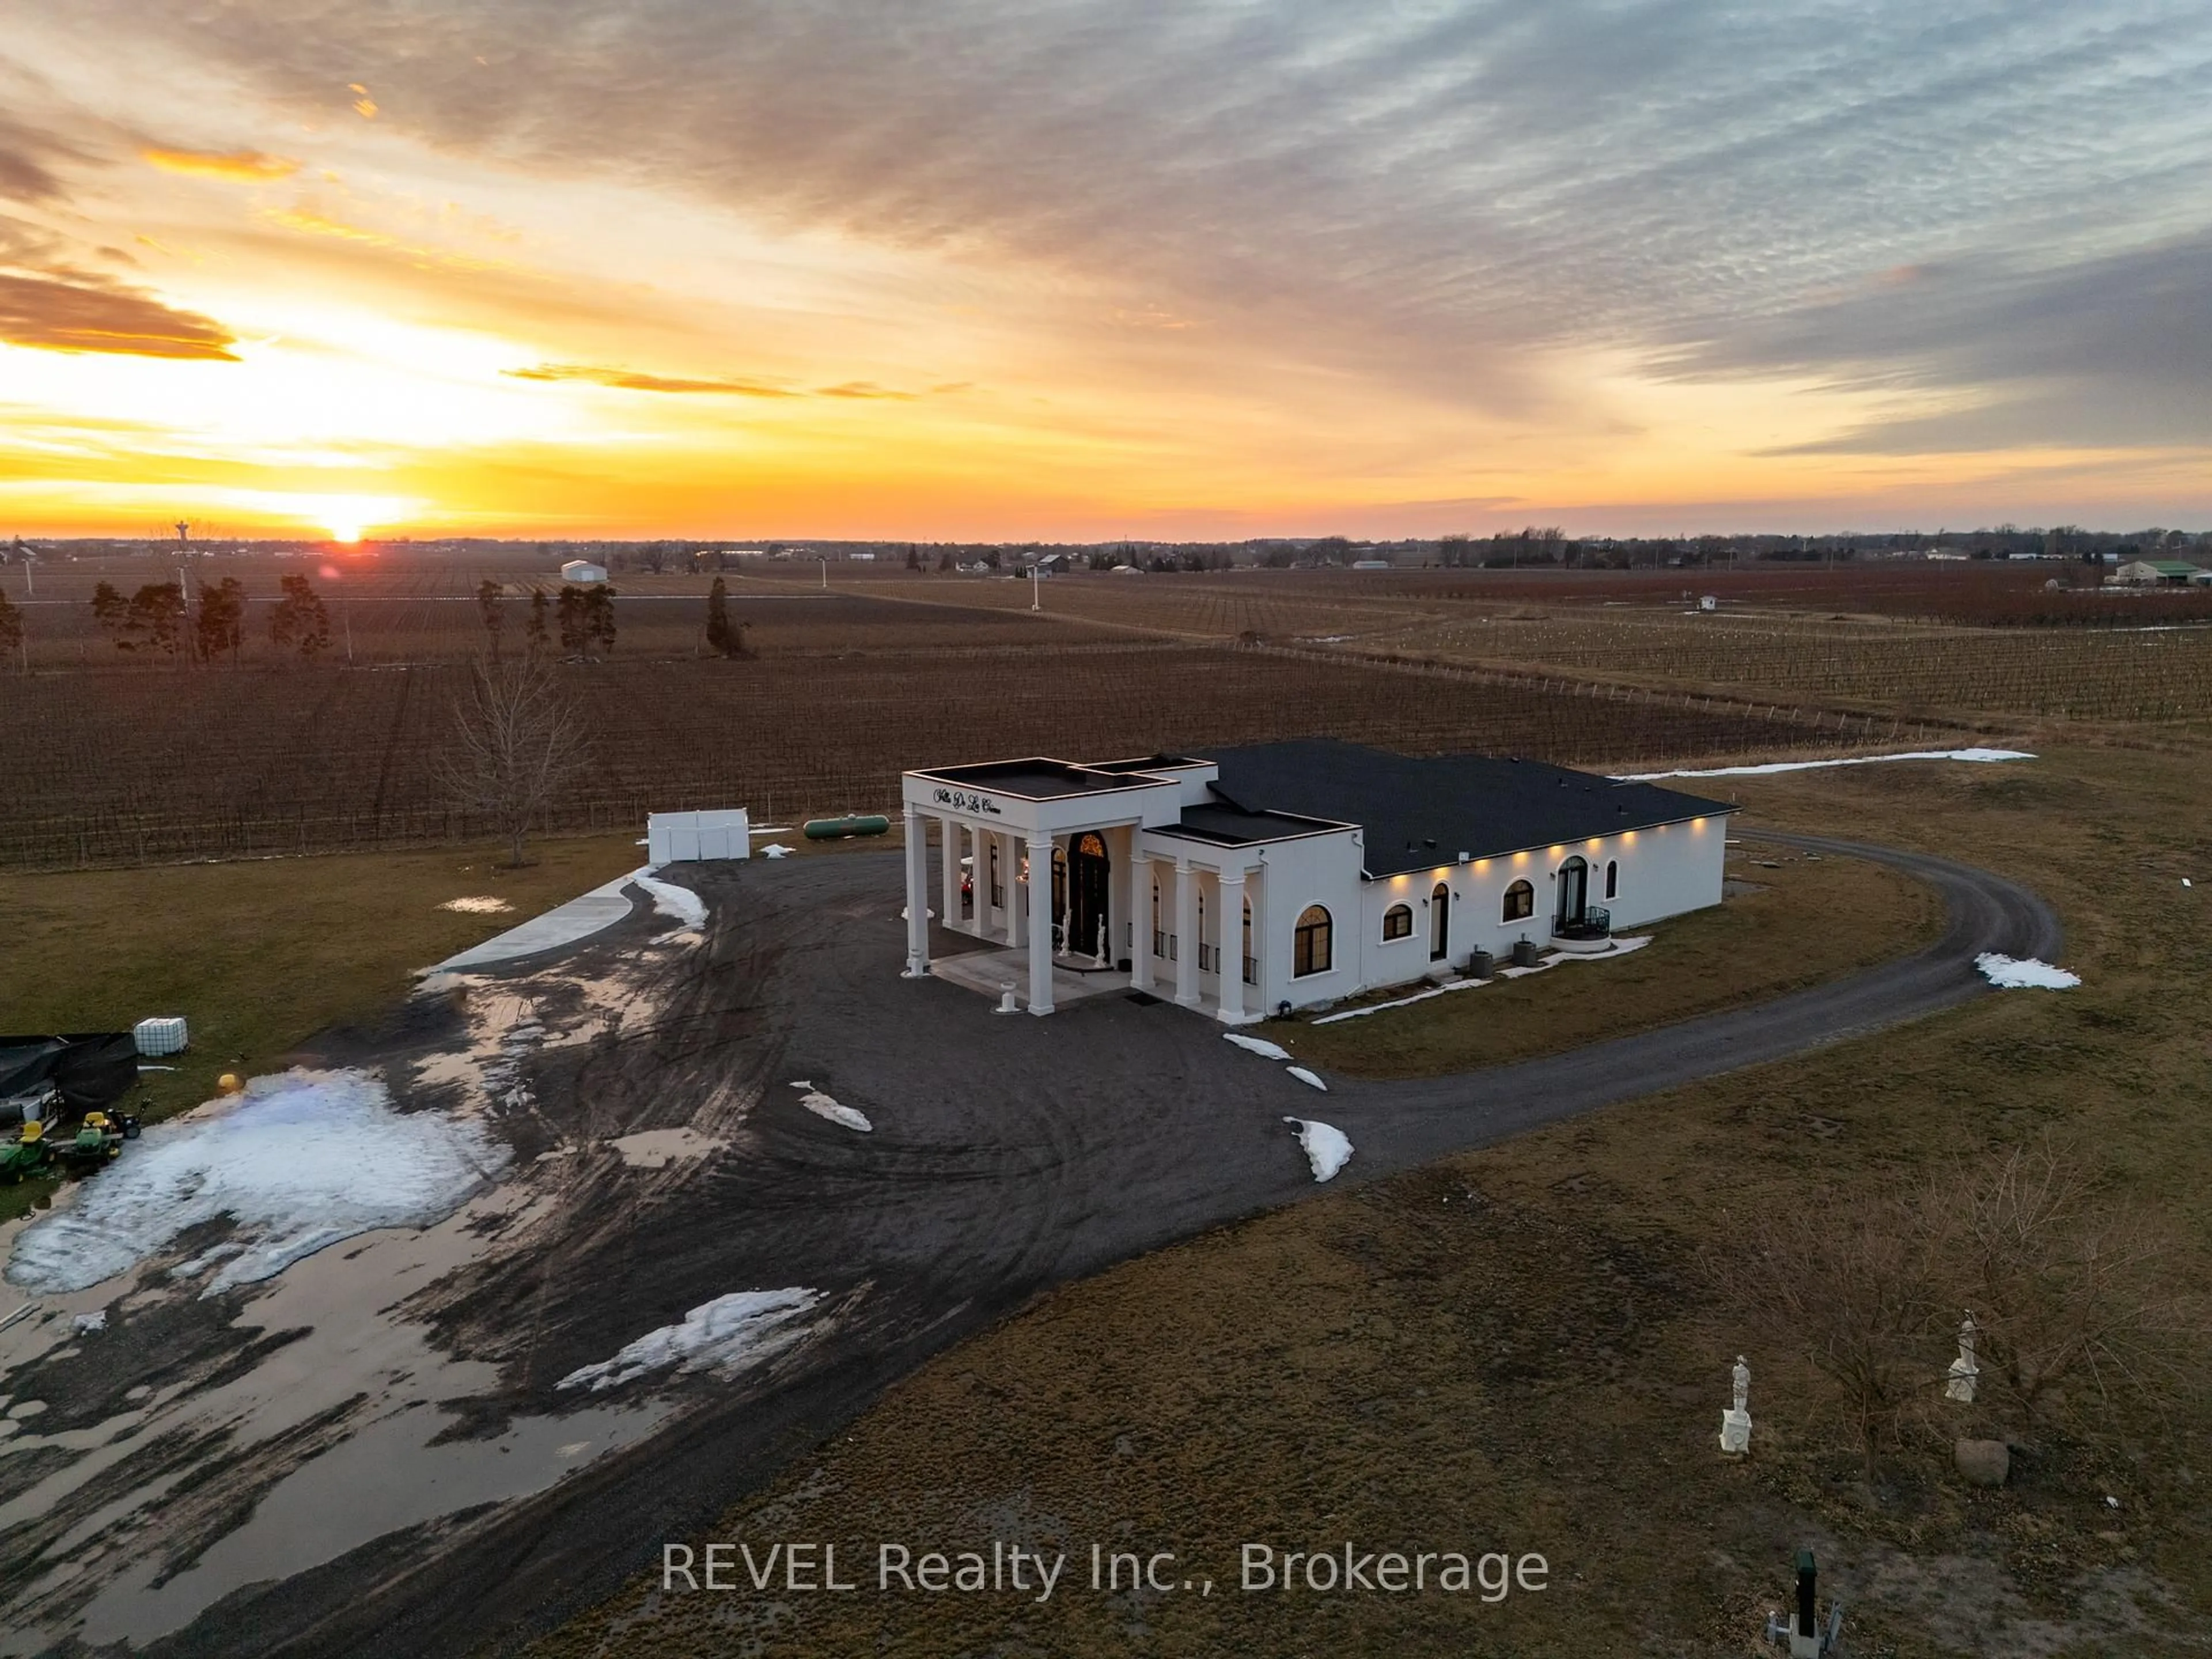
<point x="1310" y="948"/>
<point x="1398" y="923"/>
<point x="1440" y="923"/>
<point x="1520" y="901"/>
<point x="1613" y="878"/>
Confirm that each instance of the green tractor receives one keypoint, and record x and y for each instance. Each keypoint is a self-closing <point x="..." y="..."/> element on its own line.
<point x="99" y="1140"/>
<point x="27" y="1155"/>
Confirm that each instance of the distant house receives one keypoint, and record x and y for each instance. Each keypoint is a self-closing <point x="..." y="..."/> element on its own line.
<point x="2154" y="573"/>
<point x="1372" y="564"/>
<point x="583" y="570"/>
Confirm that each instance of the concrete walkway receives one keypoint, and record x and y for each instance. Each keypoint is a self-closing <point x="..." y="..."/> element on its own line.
<point x="562" y="925"/>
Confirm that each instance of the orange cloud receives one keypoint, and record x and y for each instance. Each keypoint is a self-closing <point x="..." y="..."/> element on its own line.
<point x="630" y="379"/>
<point x="245" y="165"/>
<point x="52" y="315"/>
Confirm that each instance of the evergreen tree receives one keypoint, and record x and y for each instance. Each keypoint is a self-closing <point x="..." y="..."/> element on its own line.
<point x="719" y="639"/>
<point x="600" y="618"/>
<point x="221" y="625"/>
<point x="535" y="632"/>
<point x="576" y="628"/>
<point x="154" y="620"/>
<point x="489" y="593"/>
<point x="300" y="623"/>
<point x="111" y="611"/>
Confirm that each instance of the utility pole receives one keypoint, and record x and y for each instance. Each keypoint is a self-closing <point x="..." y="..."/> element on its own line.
<point x="1036" y="585"/>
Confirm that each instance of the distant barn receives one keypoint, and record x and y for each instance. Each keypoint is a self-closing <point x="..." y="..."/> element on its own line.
<point x="583" y="570"/>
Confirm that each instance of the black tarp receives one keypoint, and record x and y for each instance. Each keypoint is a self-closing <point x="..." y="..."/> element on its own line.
<point x="90" y="1070"/>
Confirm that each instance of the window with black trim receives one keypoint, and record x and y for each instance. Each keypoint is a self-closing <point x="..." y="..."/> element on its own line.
<point x="1520" y="901"/>
<point x="1398" y="923"/>
<point x="1311" y="945"/>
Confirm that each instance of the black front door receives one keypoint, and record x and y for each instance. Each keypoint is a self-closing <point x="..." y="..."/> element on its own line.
<point x="1574" y="891"/>
<point x="1087" y="871"/>
<point x="1440" y="923"/>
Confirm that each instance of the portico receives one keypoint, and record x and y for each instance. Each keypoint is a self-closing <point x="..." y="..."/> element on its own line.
<point x="1089" y="871"/>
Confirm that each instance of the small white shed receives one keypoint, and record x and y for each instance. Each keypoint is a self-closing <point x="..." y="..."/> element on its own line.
<point x="583" y="570"/>
<point x="683" y="837"/>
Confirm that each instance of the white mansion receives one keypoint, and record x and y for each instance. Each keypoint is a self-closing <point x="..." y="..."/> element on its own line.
<point x="1290" y="874"/>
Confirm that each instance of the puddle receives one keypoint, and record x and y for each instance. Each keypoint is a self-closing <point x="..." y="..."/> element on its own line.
<point x="656" y="1149"/>
<point x="384" y="1478"/>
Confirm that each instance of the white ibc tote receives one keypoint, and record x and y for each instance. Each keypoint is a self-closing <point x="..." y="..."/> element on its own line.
<point x="161" y="1036"/>
<point x="682" y="837"/>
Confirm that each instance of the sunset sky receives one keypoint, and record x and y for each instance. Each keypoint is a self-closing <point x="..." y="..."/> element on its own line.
<point x="1074" y="269"/>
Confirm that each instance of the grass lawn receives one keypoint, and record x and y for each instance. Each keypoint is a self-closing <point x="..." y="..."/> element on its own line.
<point x="257" y="957"/>
<point x="1519" y="1349"/>
<point x="1812" y="918"/>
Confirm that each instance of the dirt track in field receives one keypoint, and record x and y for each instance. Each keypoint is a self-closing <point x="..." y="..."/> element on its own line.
<point x="1007" y="1155"/>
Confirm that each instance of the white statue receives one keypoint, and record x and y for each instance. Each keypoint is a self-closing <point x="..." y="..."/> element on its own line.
<point x="1101" y="957"/>
<point x="1964" y="1372"/>
<point x="1735" y="1421"/>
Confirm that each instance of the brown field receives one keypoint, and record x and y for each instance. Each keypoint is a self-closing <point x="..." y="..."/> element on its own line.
<point x="128" y="757"/>
<point x="130" y="765"/>
<point x="2153" y="673"/>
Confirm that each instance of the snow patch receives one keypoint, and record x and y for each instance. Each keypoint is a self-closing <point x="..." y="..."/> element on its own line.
<point x="822" y="1106"/>
<point x="1259" y="1046"/>
<point x="720" y="1335"/>
<point x="298" y="1162"/>
<point x="1326" y="1147"/>
<point x="2024" y="974"/>
<point x="680" y="904"/>
<point x="1975" y="756"/>
<point x="478" y="904"/>
<point x="1310" y="1079"/>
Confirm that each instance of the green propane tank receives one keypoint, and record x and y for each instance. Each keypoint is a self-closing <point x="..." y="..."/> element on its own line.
<point x="853" y="824"/>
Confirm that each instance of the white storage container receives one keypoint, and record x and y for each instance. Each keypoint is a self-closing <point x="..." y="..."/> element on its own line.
<point x="680" y="837"/>
<point x="161" y="1036"/>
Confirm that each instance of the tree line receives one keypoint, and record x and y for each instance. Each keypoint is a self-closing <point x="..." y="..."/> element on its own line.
<point x="159" y="620"/>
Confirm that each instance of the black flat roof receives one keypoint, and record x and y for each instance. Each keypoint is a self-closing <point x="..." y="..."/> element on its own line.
<point x="1144" y="763"/>
<point x="1422" y="811"/>
<point x="1035" y="779"/>
<point x="1225" y="825"/>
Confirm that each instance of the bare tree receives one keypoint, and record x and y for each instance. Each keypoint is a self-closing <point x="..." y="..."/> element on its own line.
<point x="1852" y="1290"/>
<point x="2065" y="1288"/>
<point x="518" y="742"/>
<point x="2074" y="1298"/>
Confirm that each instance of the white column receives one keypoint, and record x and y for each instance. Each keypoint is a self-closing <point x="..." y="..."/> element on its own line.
<point x="1141" y="917"/>
<point x="1230" y="958"/>
<point x="1258" y="895"/>
<point x="1010" y="882"/>
<point x="1040" y="907"/>
<point x="948" y="870"/>
<point x="1186" y="928"/>
<point x="917" y="895"/>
